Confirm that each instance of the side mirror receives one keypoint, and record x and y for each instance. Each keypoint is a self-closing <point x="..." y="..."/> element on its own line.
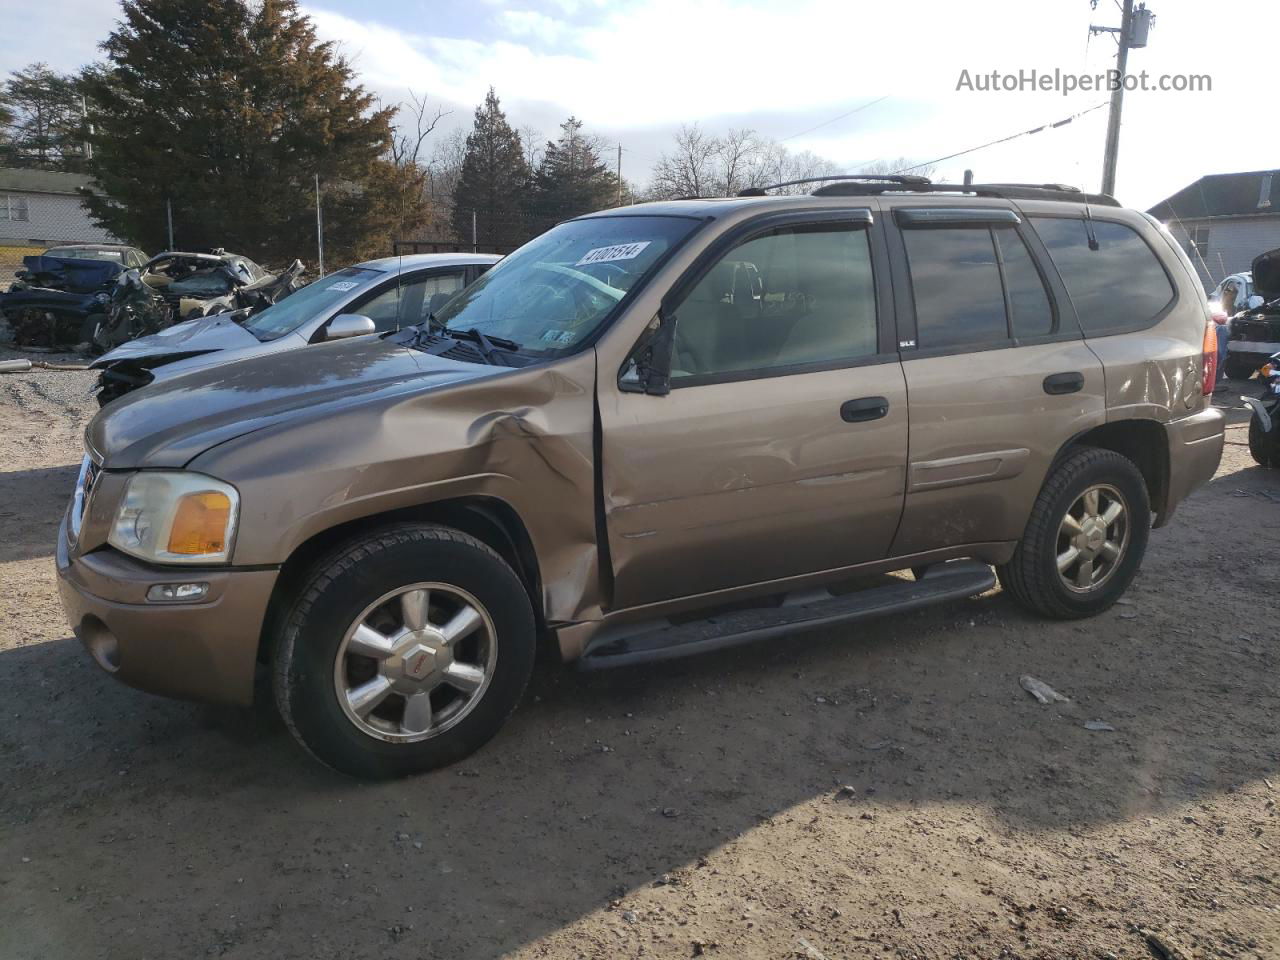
<point x="347" y="325"/>
<point x="649" y="368"/>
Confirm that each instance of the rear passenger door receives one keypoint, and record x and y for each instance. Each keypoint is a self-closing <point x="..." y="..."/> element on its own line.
<point x="998" y="374"/>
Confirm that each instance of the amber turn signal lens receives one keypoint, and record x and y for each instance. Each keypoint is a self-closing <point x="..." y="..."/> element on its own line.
<point x="200" y="524"/>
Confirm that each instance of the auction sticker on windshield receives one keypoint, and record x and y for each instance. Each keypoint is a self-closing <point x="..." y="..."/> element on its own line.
<point x="619" y="251"/>
<point x="342" y="285"/>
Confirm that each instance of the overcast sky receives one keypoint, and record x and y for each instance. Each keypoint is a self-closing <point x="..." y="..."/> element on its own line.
<point x="634" y="70"/>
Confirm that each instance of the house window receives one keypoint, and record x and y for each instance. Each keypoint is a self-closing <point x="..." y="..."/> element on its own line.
<point x="1198" y="243"/>
<point x="13" y="208"/>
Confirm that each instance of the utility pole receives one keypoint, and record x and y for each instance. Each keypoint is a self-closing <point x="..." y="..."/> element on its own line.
<point x="619" y="174"/>
<point x="475" y="247"/>
<point x="168" y="211"/>
<point x="1131" y="34"/>
<point x="319" y="231"/>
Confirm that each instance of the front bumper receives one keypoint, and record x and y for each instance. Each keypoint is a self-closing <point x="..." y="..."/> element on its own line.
<point x="1195" y="450"/>
<point x="194" y="651"/>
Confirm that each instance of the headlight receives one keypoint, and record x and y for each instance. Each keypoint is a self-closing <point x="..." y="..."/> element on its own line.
<point x="176" y="518"/>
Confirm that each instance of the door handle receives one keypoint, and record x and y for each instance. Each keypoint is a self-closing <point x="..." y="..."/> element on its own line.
<point x="864" y="408"/>
<point x="1059" y="383"/>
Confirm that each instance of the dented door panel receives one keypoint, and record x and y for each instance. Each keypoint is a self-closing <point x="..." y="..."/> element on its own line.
<point x="729" y="484"/>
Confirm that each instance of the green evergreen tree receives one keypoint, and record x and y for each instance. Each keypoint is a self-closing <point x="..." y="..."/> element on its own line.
<point x="229" y="111"/>
<point x="571" y="179"/>
<point x="42" y="120"/>
<point x="494" y="182"/>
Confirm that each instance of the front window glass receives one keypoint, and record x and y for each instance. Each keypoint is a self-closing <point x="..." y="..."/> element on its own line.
<point x="796" y="296"/>
<point x="313" y="299"/>
<point x="556" y="290"/>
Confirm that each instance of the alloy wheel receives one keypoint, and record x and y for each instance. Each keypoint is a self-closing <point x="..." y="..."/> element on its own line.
<point x="1092" y="538"/>
<point x="415" y="662"/>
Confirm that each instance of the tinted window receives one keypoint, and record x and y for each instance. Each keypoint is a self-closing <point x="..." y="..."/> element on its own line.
<point x="956" y="284"/>
<point x="1028" y="299"/>
<point x="1119" y="286"/>
<point x="796" y="296"/>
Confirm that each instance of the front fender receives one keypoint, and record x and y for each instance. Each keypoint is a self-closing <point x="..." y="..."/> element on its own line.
<point x="524" y="437"/>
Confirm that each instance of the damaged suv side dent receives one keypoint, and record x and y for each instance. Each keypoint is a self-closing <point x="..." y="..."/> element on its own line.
<point x="523" y="437"/>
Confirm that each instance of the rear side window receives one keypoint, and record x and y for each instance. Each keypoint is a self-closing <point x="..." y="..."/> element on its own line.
<point x="960" y="278"/>
<point x="1119" y="286"/>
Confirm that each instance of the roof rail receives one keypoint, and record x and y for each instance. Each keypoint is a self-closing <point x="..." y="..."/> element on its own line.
<point x="1004" y="191"/>
<point x="902" y="182"/>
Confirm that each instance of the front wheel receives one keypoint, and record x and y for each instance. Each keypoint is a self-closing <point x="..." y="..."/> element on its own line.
<point x="404" y="651"/>
<point x="1264" y="445"/>
<point x="1085" y="538"/>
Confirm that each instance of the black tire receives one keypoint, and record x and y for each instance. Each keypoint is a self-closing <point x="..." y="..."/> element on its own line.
<point x="1032" y="577"/>
<point x="1265" y="447"/>
<point x="1236" y="369"/>
<point x="342" y="585"/>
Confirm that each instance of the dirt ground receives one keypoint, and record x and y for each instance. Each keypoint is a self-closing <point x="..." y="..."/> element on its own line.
<point x="695" y="808"/>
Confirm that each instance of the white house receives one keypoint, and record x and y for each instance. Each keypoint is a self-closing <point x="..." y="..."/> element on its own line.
<point x="1224" y="220"/>
<point x="40" y="208"/>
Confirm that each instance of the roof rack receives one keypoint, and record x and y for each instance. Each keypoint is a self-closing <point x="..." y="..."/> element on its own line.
<point x="886" y="179"/>
<point x="867" y="186"/>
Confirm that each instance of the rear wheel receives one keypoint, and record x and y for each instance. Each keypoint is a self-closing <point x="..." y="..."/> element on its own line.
<point x="1237" y="369"/>
<point x="405" y="650"/>
<point x="1085" y="537"/>
<point x="1264" y="446"/>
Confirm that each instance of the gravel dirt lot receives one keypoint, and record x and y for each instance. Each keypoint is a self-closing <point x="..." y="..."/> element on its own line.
<point x="882" y="790"/>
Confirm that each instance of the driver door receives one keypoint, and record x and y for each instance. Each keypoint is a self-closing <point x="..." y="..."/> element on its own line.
<point x="781" y="449"/>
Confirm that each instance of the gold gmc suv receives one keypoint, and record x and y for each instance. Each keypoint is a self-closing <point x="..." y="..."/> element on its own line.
<point x="651" y="432"/>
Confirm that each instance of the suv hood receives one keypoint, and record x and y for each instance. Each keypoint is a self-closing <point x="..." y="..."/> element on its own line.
<point x="169" y="423"/>
<point x="1266" y="274"/>
<point x="204" y="335"/>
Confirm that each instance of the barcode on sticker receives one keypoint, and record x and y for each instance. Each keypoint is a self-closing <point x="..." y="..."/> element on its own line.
<point x="619" y="251"/>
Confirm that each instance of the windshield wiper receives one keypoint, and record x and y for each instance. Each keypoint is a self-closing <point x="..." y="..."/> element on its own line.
<point x="486" y="343"/>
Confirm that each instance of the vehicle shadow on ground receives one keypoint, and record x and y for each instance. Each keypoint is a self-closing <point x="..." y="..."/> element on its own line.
<point x="602" y="783"/>
<point x="31" y="506"/>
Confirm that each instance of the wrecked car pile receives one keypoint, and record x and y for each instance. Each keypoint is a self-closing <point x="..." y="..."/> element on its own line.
<point x="1255" y="331"/>
<point x="66" y="301"/>
<point x="177" y="286"/>
<point x="58" y="300"/>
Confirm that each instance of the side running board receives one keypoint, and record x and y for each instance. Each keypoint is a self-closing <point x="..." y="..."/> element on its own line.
<point x="947" y="581"/>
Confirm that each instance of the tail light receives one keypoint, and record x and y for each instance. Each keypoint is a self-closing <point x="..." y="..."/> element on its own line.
<point x="1210" y="348"/>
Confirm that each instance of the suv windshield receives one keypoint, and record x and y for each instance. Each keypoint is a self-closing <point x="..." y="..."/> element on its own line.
<point x="553" y="292"/>
<point x="313" y="299"/>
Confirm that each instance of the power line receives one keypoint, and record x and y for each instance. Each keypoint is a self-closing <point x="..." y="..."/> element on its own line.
<point x="1012" y="136"/>
<point x="825" y="123"/>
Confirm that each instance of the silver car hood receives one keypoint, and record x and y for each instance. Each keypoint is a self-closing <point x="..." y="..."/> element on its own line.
<point x="204" y="334"/>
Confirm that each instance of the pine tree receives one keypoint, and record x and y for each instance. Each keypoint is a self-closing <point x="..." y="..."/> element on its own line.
<point x="571" y="179"/>
<point x="229" y="111"/>
<point x="493" y="183"/>
<point x="41" y="119"/>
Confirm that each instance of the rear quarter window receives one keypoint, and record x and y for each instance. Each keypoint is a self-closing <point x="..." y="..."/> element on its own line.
<point x="1118" y="287"/>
